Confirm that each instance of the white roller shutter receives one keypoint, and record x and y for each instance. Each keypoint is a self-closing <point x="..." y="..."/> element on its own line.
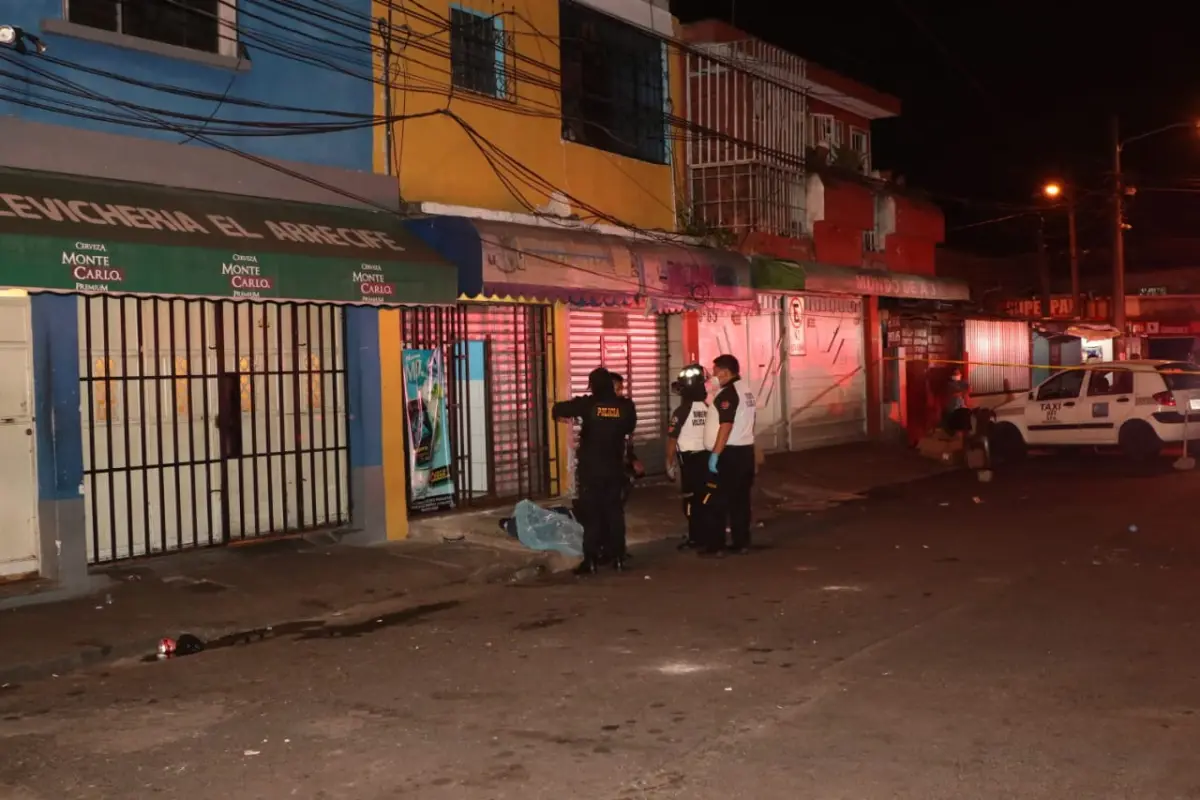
<point x="827" y="380"/>
<point x="756" y="340"/>
<point x="634" y="345"/>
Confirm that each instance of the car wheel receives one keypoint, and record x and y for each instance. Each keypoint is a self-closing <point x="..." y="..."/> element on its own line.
<point x="1006" y="442"/>
<point x="1139" y="441"/>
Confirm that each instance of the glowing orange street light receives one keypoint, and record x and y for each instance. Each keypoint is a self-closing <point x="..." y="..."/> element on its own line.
<point x="1053" y="190"/>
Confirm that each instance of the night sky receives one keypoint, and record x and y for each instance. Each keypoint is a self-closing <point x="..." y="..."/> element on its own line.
<point x="999" y="97"/>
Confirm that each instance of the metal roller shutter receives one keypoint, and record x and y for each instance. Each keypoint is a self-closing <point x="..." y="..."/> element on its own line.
<point x="827" y="381"/>
<point x="999" y="351"/>
<point x="515" y="364"/>
<point x="755" y="340"/>
<point x="500" y="435"/>
<point x="634" y="345"/>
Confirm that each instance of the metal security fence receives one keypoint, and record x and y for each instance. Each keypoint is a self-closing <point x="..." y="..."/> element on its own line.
<point x="498" y="368"/>
<point x="209" y="421"/>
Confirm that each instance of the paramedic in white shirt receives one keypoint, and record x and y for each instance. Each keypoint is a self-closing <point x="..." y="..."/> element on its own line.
<point x="729" y="436"/>
<point x="686" y="452"/>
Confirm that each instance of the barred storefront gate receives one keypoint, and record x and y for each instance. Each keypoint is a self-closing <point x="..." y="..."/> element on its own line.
<point x="209" y="421"/>
<point x="498" y="370"/>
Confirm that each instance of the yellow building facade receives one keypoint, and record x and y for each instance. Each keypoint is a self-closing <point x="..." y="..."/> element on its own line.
<point x="505" y="149"/>
<point x="508" y="136"/>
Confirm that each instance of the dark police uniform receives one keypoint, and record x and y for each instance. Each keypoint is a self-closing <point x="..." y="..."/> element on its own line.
<point x="728" y="491"/>
<point x="607" y="421"/>
<point x="686" y="431"/>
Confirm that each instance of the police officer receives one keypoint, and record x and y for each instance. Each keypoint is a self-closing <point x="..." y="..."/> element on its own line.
<point x="686" y="453"/>
<point x="607" y="421"/>
<point x="729" y="435"/>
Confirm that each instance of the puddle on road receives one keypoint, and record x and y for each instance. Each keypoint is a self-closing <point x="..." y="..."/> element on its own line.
<point x="539" y="624"/>
<point x="313" y="629"/>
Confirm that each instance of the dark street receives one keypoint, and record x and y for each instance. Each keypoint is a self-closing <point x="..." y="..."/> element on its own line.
<point x="1031" y="637"/>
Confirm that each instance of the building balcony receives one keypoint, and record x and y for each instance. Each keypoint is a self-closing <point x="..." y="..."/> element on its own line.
<point x="749" y="197"/>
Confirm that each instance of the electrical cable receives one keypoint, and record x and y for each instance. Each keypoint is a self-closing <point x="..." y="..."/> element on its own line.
<point x="637" y="284"/>
<point x="497" y="159"/>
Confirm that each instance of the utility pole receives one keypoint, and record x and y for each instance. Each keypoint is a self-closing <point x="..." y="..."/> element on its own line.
<point x="384" y="26"/>
<point x="1118" y="281"/>
<point x="1076" y="299"/>
<point x="1043" y="267"/>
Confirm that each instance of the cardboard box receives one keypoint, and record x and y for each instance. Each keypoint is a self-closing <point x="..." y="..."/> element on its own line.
<point x="941" y="447"/>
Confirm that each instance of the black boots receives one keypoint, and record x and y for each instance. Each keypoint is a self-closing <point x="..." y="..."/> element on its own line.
<point x="590" y="566"/>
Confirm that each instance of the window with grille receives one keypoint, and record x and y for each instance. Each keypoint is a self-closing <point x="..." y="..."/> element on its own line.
<point x="823" y="131"/>
<point x="613" y="85"/>
<point x="860" y="143"/>
<point x="478" y="53"/>
<point x="205" y="25"/>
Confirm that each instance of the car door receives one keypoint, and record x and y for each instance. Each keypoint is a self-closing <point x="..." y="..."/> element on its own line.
<point x="1107" y="403"/>
<point x="1054" y="415"/>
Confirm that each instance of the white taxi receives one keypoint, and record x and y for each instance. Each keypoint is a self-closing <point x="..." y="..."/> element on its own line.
<point x="1135" y="405"/>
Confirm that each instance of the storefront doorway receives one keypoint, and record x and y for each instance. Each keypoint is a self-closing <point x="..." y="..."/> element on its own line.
<point x="209" y="421"/>
<point x="501" y="442"/>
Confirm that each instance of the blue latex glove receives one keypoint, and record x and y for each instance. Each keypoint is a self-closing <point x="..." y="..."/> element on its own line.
<point x="713" y="458"/>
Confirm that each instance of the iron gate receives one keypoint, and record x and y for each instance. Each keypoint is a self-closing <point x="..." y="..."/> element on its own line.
<point x="209" y="421"/>
<point x="501" y="442"/>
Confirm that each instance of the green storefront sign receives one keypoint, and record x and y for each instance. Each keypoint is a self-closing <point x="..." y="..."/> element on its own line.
<point x="776" y="275"/>
<point x="64" y="234"/>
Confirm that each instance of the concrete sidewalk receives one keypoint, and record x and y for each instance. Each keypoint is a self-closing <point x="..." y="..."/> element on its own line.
<point x="808" y="481"/>
<point x="220" y="592"/>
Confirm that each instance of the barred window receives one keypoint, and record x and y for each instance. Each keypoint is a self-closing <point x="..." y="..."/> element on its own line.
<point x="613" y="85"/>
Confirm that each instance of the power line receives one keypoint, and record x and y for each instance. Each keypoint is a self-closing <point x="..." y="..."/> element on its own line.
<point x="167" y="125"/>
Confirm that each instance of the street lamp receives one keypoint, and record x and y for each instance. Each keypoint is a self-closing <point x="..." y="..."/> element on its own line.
<point x="1119" y="226"/>
<point x="1057" y="191"/>
<point x="19" y="40"/>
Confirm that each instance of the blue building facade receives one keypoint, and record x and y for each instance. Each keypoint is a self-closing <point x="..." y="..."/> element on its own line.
<point x="194" y="255"/>
<point x="280" y="55"/>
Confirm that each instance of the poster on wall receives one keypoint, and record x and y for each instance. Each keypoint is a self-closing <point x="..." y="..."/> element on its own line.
<point x="431" y="487"/>
<point x="795" y="324"/>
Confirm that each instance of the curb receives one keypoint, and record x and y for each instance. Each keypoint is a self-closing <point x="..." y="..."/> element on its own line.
<point x="90" y="656"/>
<point x="533" y="566"/>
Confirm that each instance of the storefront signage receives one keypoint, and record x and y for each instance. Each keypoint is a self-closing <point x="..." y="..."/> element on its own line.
<point x="522" y="255"/>
<point x="795" y="323"/>
<point x="1060" y="308"/>
<point x="1165" y="329"/>
<point x="907" y="287"/>
<point x="686" y="276"/>
<point x="61" y="206"/>
<point x="98" y="266"/>
<point x="98" y="215"/>
<point x="786" y="276"/>
<point x="431" y="486"/>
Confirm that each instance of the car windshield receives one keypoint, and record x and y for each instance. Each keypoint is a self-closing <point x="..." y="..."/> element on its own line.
<point x="1180" y="375"/>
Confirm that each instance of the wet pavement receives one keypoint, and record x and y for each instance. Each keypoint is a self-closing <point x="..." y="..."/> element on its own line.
<point x="1032" y="637"/>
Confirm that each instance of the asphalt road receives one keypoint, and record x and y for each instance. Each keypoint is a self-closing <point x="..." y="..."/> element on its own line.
<point x="924" y="644"/>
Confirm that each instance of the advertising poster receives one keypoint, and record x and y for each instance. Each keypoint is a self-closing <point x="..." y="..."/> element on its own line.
<point x="428" y="431"/>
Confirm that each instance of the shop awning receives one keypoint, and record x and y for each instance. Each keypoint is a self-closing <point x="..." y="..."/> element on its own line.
<point x="509" y="261"/>
<point x="681" y="277"/>
<point x="506" y="261"/>
<point x="69" y="234"/>
<point x="773" y="275"/>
